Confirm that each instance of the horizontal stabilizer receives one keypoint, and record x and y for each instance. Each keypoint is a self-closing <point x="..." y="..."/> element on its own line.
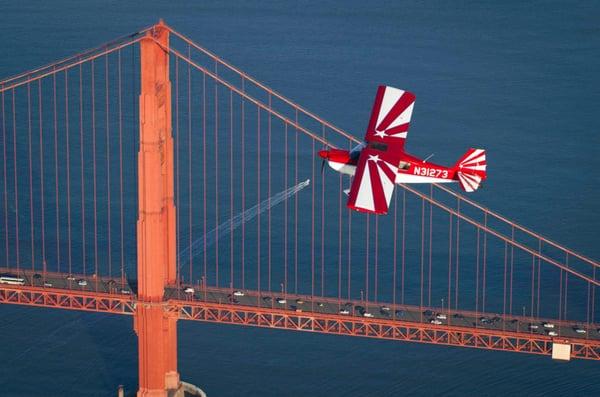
<point x="470" y="169"/>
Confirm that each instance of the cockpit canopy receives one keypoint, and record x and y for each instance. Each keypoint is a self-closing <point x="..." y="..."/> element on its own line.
<point x="355" y="152"/>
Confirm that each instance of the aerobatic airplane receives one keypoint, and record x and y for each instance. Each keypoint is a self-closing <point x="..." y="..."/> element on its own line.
<point x="380" y="161"/>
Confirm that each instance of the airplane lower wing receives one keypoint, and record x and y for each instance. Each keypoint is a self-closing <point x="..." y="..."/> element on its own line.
<point x="373" y="182"/>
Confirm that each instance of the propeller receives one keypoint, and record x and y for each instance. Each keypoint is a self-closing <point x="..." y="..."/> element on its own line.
<point x="324" y="155"/>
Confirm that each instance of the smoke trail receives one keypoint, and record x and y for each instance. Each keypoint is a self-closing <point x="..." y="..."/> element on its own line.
<point x="197" y="247"/>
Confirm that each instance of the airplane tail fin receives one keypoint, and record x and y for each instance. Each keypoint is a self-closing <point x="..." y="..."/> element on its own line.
<point x="470" y="169"/>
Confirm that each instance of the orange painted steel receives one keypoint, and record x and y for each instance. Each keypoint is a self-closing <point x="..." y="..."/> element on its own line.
<point x="67" y="299"/>
<point x="481" y="338"/>
<point x="268" y="317"/>
<point x="156" y="330"/>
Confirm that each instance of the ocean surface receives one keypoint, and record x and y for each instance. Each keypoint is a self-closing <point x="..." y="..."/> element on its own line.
<point x="520" y="79"/>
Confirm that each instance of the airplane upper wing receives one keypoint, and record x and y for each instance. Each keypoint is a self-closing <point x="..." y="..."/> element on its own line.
<point x="390" y="117"/>
<point x="373" y="182"/>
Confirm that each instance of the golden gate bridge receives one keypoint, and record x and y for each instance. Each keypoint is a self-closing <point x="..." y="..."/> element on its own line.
<point x="153" y="142"/>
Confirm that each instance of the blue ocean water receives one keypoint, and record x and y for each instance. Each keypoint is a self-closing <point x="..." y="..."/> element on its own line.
<point x="517" y="79"/>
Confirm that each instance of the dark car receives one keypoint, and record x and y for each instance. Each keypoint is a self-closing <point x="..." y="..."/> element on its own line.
<point x="37" y="276"/>
<point x="428" y="313"/>
<point x="399" y="313"/>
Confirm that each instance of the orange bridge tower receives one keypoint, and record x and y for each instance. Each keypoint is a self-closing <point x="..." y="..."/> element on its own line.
<point x="155" y="326"/>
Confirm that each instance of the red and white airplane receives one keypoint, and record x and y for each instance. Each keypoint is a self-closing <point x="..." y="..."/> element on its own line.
<point x="380" y="162"/>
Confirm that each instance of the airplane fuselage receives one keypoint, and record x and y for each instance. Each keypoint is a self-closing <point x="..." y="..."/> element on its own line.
<point x="410" y="169"/>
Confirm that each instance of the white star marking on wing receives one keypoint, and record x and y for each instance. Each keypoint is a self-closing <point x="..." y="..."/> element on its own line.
<point x="374" y="158"/>
<point x="381" y="134"/>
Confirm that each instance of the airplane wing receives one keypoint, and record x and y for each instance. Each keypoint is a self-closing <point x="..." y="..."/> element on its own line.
<point x="373" y="182"/>
<point x="390" y="117"/>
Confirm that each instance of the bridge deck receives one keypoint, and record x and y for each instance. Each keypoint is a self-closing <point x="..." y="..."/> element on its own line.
<point x="316" y="314"/>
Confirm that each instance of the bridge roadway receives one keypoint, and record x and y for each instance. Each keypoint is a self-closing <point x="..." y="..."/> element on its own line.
<point x="305" y="305"/>
<point x="122" y="298"/>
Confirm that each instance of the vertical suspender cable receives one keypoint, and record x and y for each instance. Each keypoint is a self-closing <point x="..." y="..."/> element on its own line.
<point x="430" y="245"/>
<point x="16" y="190"/>
<point x="312" y="229"/>
<point x="477" y="274"/>
<point x="83" y="237"/>
<point x="484" y="263"/>
<point x="349" y="276"/>
<point x="403" y="262"/>
<point x="94" y="172"/>
<point x="31" y="225"/>
<point x="512" y="257"/>
<point x="538" y="275"/>
<point x="216" y="177"/>
<point x="269" y="286"/>
<point x="375" y="289"/>
<point x="422" y="251"/>
<point x="243" y="122"/>
<point x="566" y="287"/>
<point x="322" y="225"/>
<point x="340" y="240"/>
<point x="450" y="222"/>
<point x="68" y="161"/>
<point x="230" y="187"/>
<point x="121" y="174"/>
<point x="108" y="203"/>
<point x="504" y="284"/>
<point x="285" y="211"/>
<point x="258" y="241"/>
<point x="395" y="252"/>
<point x="532" y="283"/>
<point x="296" y="209"/>
<point x="457" y="258"/>
<point x="190" y="212"/>
<point x="4" y="180"/>
<point x="204" y="277"/>
<point x="58" y="259"/>
<point x="367" y="240"/>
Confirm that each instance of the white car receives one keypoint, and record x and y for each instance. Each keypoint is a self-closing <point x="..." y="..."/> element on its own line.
<point x="552" y="333"/>
<point x="126" y="291"/>
<point x="47" y="284"/>
<point x="81" y="282"/>
<point x="580" y="330"/>
<point x="189" y="290"/>
<point x="385" y="308"/>
<point x="441" y="316"/>
<point x="238" y="293"/>
<point x="548" y="325"/>
<point x="281" y="301"/>
<point x="367" y="314"/>
<point x="435" y="321"/>
<point x="533" y="326"/>
<point x="70" y="278"/>
<point x="344" y="311"/>
<point x="299" y="301"/>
